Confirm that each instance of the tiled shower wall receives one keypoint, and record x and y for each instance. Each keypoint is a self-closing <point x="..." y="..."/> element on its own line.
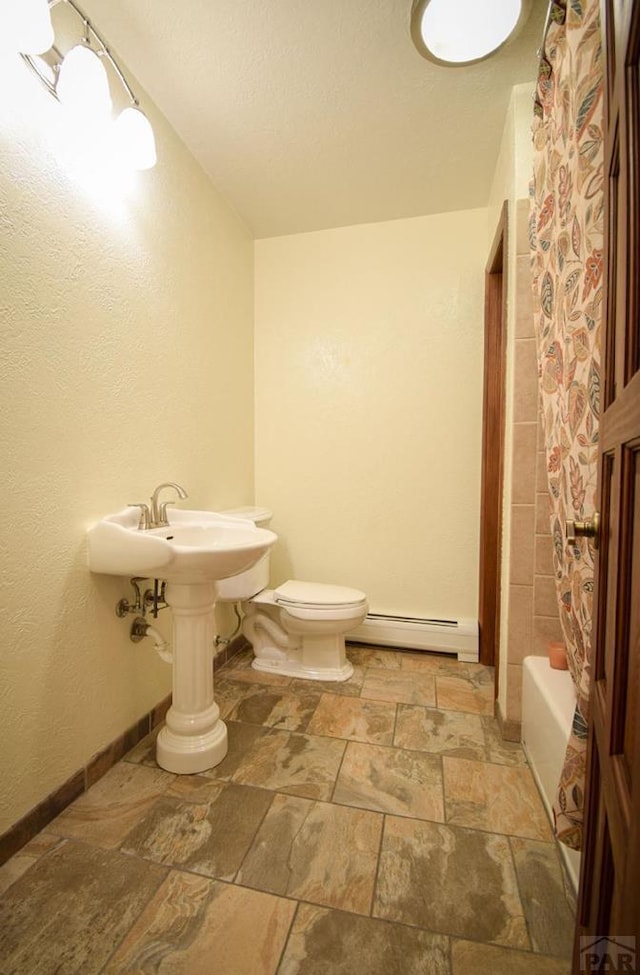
<point x="533" y="611"/>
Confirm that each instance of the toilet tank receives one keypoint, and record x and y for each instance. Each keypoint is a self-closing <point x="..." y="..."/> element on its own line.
<point x="254" y="580"/>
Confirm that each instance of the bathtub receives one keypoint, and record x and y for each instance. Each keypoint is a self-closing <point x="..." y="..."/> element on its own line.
<point x="548" y="703"/>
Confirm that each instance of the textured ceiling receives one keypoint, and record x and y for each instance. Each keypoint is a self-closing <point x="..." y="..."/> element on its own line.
<point x="310" y="114"/>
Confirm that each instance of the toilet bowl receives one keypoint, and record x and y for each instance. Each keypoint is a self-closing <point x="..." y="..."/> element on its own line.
<point x="297" y="629"/>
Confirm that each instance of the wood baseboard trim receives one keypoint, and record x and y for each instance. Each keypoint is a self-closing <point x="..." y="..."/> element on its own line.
<point x="226" y="653"/>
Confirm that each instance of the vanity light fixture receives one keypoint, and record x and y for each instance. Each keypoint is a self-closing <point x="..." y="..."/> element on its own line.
<point x="82" y="83"/>
<point x="25" y="26"/>
<point x="79" y="79"/>
<point x="461" y="32"/>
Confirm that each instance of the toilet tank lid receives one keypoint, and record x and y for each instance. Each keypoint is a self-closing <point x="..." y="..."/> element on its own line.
<point x="250" y="512"/>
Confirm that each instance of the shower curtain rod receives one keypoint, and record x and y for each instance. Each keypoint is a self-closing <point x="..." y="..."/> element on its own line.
<point x="556" y="12"/>
<point x="545" y="30"/>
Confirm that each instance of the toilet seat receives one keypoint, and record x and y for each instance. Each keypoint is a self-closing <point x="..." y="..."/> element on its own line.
<point x="311" y="594"/>
<point x="313" y="600"/>
<point x="316" y="600"/>
<point x="296" y="593"/>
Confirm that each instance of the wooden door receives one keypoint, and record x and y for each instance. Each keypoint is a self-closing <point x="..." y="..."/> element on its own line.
<point x="609" y="898"/>
<point x="495" y="329"/>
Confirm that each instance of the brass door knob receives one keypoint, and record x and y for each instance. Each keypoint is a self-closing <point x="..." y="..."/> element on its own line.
<point x="590" y="528"/>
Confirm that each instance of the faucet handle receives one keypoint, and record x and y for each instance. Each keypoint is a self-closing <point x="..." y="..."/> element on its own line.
<point x="162" y="514"/>
<point x="145" y="516"/>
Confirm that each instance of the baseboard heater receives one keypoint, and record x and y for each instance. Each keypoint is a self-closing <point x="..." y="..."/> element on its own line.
<point x="458" y="637"/>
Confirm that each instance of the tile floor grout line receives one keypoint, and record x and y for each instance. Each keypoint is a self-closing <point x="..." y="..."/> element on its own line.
<point x="494" y="944"/>
<point x="450" y="953"/>
<point x="409" y="925"/>
<point x="285" y="943"/>
<point x="135" y="920"/>
<point x="520" y="898"/>
<point x="492" y="832"/>
<point x="254" y="836"/>
<point x="295" y="837"/>
<point x="335" y="784"/>
<point x="444" y="792"/>
<point x="395" y="724"/>
<point x="375" y="879"/>
<point x="525" y="951"/>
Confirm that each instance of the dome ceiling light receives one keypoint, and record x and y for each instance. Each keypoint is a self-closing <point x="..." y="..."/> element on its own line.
<point x="460" y="32"/>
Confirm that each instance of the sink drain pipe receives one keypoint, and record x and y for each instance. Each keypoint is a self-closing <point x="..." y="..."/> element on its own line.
<point x="140" y="629"/>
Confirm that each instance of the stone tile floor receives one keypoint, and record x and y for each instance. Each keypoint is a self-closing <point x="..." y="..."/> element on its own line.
<point x="377" y="827"/>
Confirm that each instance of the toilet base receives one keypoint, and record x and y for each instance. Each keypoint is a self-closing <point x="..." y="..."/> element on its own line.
<point x="312" y="649"/>
<point x="295" y="668"/>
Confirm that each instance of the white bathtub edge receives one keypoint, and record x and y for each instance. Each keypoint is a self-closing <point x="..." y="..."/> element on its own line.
<point x="548" y="703"/>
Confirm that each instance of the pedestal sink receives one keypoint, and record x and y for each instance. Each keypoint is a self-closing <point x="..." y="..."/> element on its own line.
<point x="191" y="553"/>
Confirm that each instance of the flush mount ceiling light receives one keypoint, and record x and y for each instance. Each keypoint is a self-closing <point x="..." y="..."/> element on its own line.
<point x="79" y="79"/>
<point x="459" y="32"/>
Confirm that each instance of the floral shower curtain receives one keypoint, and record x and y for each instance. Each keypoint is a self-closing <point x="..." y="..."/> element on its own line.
<point x="566" y="238"/>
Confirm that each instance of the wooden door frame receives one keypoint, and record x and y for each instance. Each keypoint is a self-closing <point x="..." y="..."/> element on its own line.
<point x="608" y="905"/>
<point x="493" y="425"/>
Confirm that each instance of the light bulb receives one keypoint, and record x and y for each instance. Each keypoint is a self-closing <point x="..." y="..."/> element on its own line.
<point x="83" y="84"/>
<point x="135" y="141"/>
<point x="463" y="31"/>
<point x="25" y="26"/>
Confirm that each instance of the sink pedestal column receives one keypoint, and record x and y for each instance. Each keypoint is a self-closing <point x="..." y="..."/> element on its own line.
<point x="194" y="738"/>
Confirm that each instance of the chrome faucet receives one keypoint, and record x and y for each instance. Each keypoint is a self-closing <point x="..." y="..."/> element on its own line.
<point x="158" y="510"/>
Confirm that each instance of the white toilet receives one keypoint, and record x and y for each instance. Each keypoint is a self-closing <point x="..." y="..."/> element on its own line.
<point x="299" y="628"/>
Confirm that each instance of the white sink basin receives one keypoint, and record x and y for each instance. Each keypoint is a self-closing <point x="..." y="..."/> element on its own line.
<point x="196" y="546"/>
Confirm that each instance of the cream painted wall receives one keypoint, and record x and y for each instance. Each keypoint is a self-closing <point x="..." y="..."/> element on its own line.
<point x="515" y="160"/>
<point x="127" y="343"/>
<point x="510" y="182"/>
<point x="369" y="350"/>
